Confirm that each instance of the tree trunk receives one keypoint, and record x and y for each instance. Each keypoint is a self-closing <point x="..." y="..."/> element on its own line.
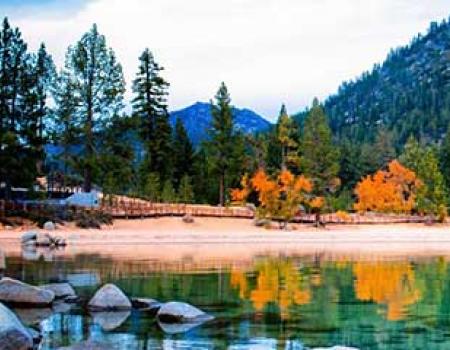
<point x="221" y="190"/>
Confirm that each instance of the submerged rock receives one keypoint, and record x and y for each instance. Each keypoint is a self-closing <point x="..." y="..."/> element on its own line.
<point x="61" y="290"/>
<point x="33" y="316"/>
<point x="13" y="334"/>
<point x="17" y="292"/>
<point x="337" y="347"/>
<point x="110" y="320"/>
<point x="178" y="312"/>
<point x="90" y="345"/>
<point x="146" y="304"/>
<point x="109" y="297"/>
<point x="177" y="328"/>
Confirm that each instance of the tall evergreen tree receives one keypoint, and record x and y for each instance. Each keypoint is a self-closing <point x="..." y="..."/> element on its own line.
<point x="98" y="85"/>
<point x="320" y="156"/>
<point x="66" y="129"/>
<point x="444" y="156"/>
<point x="183" y="153"/>
<point x="150" y="105"/>
<point x="22" y="108"/>
<point x="43" y="74"/>
<point x="285" y="135"/>
<point x="221" y="144"/>
<point x="431" y="196"/>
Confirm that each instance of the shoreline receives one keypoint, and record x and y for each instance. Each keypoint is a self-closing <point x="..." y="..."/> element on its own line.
<point x="234" y="239"/>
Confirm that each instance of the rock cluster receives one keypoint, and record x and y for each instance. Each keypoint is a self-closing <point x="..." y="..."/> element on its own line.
<point x="34" y="239"/>
<point x="109" y="308"/>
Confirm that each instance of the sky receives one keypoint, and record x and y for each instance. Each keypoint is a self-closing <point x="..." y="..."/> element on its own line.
<point x="268" y="52"/>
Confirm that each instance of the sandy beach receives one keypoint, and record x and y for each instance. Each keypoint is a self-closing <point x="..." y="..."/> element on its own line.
<point x="236" y="239"/>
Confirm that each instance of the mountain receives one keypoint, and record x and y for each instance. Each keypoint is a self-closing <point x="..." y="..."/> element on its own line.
<point x="197" y="120"/>
<point x="409" y="93"/>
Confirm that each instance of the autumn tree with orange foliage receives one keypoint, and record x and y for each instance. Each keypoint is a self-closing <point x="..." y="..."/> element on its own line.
<point x="393" y="190"/>
<point x="279" y="198"/>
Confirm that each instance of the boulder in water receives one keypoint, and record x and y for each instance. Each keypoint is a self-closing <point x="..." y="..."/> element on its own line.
<point x="29" y="236"/>
<point x="13" y="334"/>
<point x="61" y="290"/>
<point x="178" y="312"/>
<point x="17" y="292"/>
<point x="109" y="298"/>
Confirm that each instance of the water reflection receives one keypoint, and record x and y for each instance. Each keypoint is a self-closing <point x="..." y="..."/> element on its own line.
<point x="271" y="302"/>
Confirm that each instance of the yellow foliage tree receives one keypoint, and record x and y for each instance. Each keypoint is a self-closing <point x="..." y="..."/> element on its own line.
<point x="392" y="190"/>
<point x="279" y="198"/>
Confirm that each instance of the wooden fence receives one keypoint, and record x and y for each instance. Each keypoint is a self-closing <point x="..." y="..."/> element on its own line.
<point x="130" y="209"/>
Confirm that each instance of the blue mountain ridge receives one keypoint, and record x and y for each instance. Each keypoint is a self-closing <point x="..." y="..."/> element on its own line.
<point x="197" y="120"/>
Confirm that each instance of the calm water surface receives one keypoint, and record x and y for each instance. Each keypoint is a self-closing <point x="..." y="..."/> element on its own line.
<point x="270" y="302"/>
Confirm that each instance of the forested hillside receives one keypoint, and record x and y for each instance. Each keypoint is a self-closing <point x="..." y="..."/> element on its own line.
<point x="408" y="94"/>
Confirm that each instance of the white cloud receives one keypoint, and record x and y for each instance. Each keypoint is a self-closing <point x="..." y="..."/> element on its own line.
<point x="267" y="51"/>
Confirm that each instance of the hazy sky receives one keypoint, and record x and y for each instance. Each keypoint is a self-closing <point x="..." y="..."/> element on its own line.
<point x="267" y="51"/>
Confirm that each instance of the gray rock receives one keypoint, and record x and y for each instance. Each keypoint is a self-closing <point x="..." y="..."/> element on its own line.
<point x="49" y="226"/>
<point x="178" y="312"/>
<point x="17" y="292"/>
<point x="61" y="290"/>
<point x="90" y="345"/>
<point x="110" y="320"/>
<point x="29" y="236"/>
<point x="262" y="222"/>
<point x="109" y="298"/>
<point x="188" y="219"/>
<point x="13" y="334"/>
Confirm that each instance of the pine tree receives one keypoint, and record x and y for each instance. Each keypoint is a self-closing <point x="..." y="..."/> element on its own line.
<point x="66" y="128"/>
<point x="285" y="135"/>
<point x="152" y="188"/>
<point x="320" y="156"/>
<point x="431" y="197"/>
<point x="351" y="168"/>
<point x="20" y="110"/>
<point x="150" y="105"/>
<point x="183" y="153"/>
<point x="41" y="77"/>
<point x="168" y="194"/>
<point x="185" y="190"/>
<point x="99" y="86"/>
<point x="221" y="143"/>
<point x="383" y="150"/>
<point x="444" y="156"/>
<point x="116" y="155"/>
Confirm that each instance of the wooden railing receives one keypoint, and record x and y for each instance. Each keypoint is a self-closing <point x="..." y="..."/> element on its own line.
<point x="142" y="209"/>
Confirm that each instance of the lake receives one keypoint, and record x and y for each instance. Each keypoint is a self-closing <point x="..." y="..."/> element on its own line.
<point x="271" y="301"/>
